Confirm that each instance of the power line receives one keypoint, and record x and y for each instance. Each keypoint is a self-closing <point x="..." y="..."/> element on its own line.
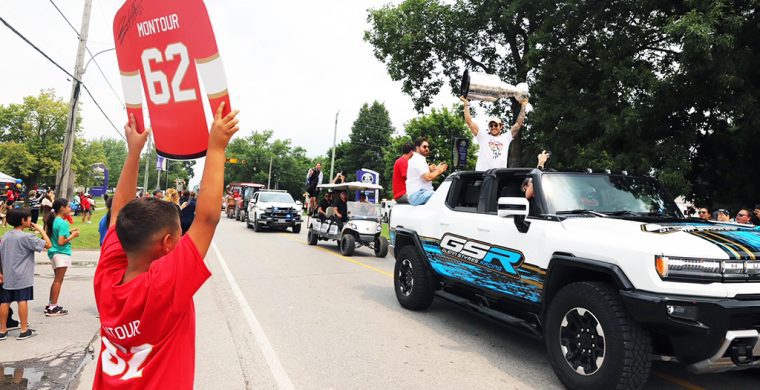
<point x="92" y="57"/>
<point x="63" y="70"/>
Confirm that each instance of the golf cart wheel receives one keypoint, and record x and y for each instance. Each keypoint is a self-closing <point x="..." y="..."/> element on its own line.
<point x="413" y="283"/>
<point x="297" y="229"/>
<point x="347" y="245"/>
<point x="311" y="238"/>
<point x="592" y="341"/>
<point x="381" y="246"/>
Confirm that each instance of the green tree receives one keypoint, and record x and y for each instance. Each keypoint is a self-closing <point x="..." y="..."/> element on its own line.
<point x="115" y="151"/>
<point x="655" y="87"/>
<point x="442" y="127"/>
<point x="370" y="136"/>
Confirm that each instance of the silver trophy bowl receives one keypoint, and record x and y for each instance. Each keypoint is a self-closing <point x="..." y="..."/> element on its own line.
<point x="490" y="88"/>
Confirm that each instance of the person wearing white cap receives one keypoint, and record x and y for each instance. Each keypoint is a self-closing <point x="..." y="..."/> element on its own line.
<point x="494" y="143"/>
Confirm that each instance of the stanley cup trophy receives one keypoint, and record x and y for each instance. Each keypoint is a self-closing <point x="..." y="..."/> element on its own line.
<point x="489" y="88"/>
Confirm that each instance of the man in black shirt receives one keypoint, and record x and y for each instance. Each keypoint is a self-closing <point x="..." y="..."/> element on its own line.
<point x="341" y="209"/>
<point x="325" y="204"/>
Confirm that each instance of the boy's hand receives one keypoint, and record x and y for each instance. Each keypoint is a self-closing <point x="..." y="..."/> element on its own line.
<point x="223" y="128"/>
<point x="135" y="140"/>
<point x="37" y="228"/>
<point x="75" y="233"/>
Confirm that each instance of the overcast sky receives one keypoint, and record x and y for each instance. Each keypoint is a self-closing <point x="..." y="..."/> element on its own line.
<point x="291" y="65"/>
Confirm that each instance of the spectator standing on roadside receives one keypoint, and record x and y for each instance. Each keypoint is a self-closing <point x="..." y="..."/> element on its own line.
<point x="744" y="216"/>
<point x="172" y="196"/>
<point x="313" y="179"/>
<point x="103" y="224"/>
<point x="10" y="198"/>
<point x="17" y="253"/>
<point x="158" y="194"/>
<point x="85" y="206"/>
<point x="35" y="202"/>
<point x="60" y="253"/>
<point x="400" y="167"/>
<point x="420" y="175"/>
<point x="493" y="145"/>
<point x="187" y="213"/>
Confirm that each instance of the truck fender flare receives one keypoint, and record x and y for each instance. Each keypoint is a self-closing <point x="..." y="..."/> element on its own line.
<point x="405" y="237"/>
<point x="561" y="272"/>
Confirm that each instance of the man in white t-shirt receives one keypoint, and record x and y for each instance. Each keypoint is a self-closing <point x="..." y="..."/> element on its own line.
<point x="494" y="143"/>
<point x="420" y="175"/>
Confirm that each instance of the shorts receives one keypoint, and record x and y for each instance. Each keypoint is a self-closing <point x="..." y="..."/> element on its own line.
<point x="60" y="260"/>
<point x="312" y="191"/>
<point x="21" y="295"/>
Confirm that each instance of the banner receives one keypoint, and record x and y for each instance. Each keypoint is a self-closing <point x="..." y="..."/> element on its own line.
<point x="162" y="47"/>
<point x="160" y="163"/>
<point x="368" y="176"/>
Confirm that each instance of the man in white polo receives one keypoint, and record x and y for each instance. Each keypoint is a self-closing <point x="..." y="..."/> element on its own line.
<point x="494" y="143"/>
<point x="420" y="175"/>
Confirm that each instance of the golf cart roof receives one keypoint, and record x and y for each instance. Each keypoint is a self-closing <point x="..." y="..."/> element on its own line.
<point x="351" y="186"/>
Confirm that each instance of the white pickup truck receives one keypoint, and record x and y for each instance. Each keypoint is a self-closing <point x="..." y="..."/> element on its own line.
<point x="603" y="267"/>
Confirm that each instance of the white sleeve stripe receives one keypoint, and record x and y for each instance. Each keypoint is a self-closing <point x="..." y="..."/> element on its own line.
<point x="212" y="73"/>
<point x="132" y="86"/>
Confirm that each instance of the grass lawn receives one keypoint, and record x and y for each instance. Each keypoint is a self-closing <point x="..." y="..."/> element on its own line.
<point x="88" y="232"/>
<point x="386" y="233"/>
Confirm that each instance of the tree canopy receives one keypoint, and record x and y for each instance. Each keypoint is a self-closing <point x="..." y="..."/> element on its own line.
<point x="654" y="87"/>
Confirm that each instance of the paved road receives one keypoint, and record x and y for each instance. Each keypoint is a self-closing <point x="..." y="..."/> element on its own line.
<point x="308" y="317"/>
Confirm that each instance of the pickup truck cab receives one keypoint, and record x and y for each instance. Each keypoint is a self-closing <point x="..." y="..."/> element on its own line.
<point x="603" y="267"/>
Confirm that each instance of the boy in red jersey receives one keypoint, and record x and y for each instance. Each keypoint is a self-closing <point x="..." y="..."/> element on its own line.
<point x="148" y="273"/>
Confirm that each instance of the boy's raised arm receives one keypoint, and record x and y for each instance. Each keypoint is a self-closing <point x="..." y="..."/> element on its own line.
<point x="125" y="190"/>
<point x="207" y="212"/>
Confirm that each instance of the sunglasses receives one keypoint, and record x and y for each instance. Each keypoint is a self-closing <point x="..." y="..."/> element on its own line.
<point x="741" y="215"/>
<point x="703" y="212"/>
<point x="424" y="147"/>
<point x="492" y="125"/>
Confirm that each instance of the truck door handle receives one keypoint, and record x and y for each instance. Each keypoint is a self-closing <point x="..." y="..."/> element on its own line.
<point x="483" y="229"/>
<point x="445" y="223"/>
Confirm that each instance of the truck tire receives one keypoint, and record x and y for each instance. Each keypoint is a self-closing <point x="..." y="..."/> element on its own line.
<point x="256" y="226"/>
<point x="347" y="245"/>
<point x="311" y="238"/>
<point x="592" y="341"/>
<point x="413" y="283"/>
<point x="248" y="222"/>
<point x="381" y="246"/>
<point x="297" y="228"/>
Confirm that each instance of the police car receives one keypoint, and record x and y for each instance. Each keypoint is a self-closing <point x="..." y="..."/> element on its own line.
<point x="603" y="267"/>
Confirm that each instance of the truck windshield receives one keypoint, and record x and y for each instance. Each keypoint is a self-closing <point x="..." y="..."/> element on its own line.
<point x="608" y="194"/>
<point x="282" y="197"/>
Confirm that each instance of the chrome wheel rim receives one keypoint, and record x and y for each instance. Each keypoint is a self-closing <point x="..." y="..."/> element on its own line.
<point x="405" y="277"/>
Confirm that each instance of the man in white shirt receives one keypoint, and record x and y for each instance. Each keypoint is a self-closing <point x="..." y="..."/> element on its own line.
<point x="420" y="175"/>
<point x="494" y="143"/>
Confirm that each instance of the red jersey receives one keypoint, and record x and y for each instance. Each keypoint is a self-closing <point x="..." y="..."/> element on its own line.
<point x="147" y="326"/>
<point x="161" y="48"/>
<point x="399" y="177"/>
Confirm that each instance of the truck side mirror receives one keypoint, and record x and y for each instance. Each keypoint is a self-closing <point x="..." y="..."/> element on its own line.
<point x="513" y="207"/>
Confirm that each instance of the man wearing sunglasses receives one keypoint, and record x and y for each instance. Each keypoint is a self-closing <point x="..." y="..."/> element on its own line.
<point x="743" y="216"/>
<point x="420" y="175"/>
<point x="494" y="143"/>
<point x="704" y="214"/>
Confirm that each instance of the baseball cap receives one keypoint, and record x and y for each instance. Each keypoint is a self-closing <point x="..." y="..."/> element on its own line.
<point x="494" y="119"/>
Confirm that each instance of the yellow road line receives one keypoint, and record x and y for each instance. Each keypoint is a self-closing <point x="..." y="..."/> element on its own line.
<point x="677" y="381"/>
<point x="348" y="259"/>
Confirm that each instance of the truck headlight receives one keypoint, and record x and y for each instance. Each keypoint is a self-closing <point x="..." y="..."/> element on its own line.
<point x="687" y="269"/>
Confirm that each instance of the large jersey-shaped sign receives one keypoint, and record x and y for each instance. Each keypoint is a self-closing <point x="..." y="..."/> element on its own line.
<point x="162" y="47"/>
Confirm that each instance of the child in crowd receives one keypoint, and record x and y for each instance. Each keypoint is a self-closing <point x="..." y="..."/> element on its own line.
<point x="148" y="273"/>
<point x="17" y="256"/>
<point x="57" y="227"/>
<point x="103" y="224"/>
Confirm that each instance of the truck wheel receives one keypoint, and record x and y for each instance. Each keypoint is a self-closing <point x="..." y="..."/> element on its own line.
<point x="592" y="341"/>
<point x="413" y="283"/>
<point x="311" y="238"/>
<point x="247" y="222"/>
<point x="296" y="229"/>
<point x="256" y="226"/>
<point x="347" y="245"/>
<point x="381" y="246"/>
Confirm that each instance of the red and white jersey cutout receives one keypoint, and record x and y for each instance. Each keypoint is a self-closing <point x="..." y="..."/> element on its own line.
<point x="162" y="47"/>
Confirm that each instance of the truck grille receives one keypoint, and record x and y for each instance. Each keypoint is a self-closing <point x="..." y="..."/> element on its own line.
<point x="745" y="321"/>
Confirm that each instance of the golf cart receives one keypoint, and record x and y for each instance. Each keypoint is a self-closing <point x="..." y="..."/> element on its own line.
<point x="363" y="227"/>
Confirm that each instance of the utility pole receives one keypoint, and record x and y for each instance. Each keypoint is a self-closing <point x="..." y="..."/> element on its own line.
<point x="65" y="178"/>
<point x="269" y="180"/>
<point x="335" y="135"/>
<point x="147" y="166"/>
